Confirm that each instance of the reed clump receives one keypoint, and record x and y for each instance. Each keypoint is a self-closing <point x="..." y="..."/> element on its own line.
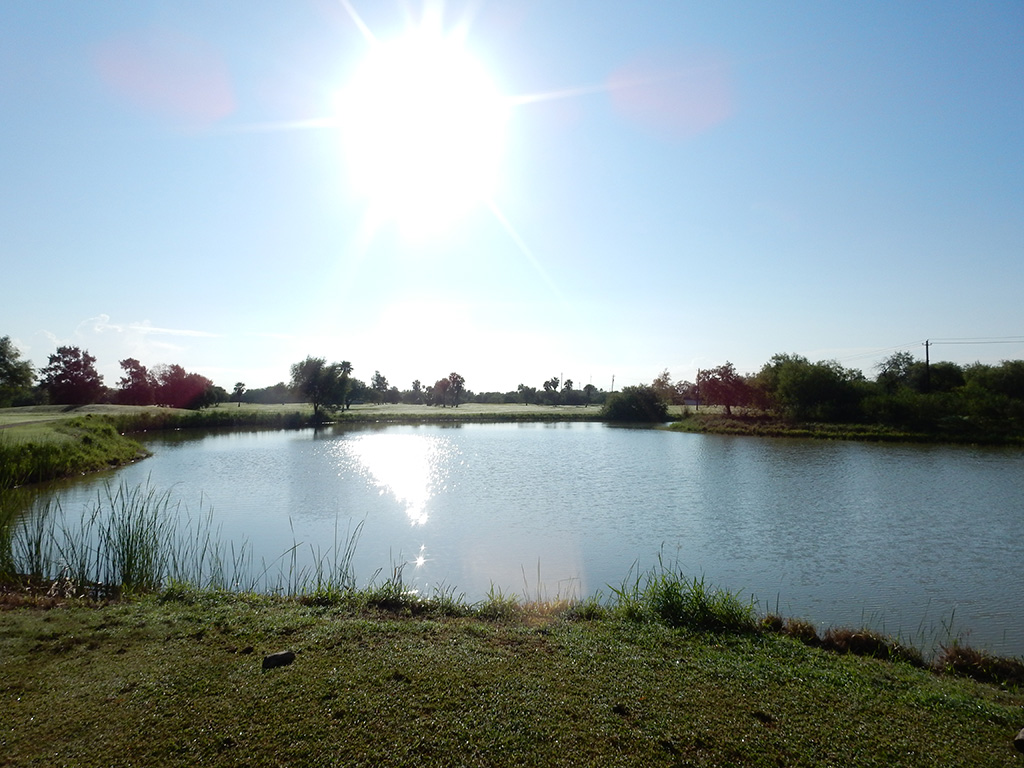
<point x="665" y="595"/>
<point x="866" y="642"/>
<point x="965" y="661"/>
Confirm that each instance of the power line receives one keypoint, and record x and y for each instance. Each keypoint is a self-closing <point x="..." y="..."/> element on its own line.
<point x="982" y="340"/>
<point x="874" y="353"/>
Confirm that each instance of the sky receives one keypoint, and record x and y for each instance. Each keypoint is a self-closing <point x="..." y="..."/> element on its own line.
<point x="512" y="189"/>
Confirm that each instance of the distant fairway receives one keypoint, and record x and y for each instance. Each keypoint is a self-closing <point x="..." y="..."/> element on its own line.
<point x="36" y="422"/>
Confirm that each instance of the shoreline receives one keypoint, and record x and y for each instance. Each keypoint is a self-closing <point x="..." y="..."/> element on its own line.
<point x="190" y="677"/>
<point x="42" y="443"/>
<point x="744" y="425"/>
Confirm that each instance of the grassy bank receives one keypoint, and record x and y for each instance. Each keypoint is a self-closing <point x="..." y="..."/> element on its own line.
<point x="34" y="452"/>
<point x="759" y="425"/>
<point x="176" y="679"/>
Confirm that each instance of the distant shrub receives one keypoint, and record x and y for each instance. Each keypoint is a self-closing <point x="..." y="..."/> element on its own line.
<point x="635" y="404"/>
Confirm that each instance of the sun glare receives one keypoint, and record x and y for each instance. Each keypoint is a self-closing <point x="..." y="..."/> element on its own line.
<point x="423" y="128"/>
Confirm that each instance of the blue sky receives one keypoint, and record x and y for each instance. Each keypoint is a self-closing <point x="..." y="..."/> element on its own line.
<point x="679" y="184"/>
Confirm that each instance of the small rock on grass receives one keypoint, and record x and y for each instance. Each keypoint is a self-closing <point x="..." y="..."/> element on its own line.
<point x="1018" y="742"/>
<point x="279" y="659"/>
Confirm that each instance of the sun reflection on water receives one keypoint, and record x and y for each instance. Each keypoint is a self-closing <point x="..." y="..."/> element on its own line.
<point x="421" y="558"/>
<point x="412" y="468"/>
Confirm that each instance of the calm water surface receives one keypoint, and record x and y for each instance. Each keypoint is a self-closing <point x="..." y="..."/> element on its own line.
<point x="906" y="539"/>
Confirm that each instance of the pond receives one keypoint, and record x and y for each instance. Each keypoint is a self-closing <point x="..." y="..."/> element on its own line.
<point x="923" y="542"/>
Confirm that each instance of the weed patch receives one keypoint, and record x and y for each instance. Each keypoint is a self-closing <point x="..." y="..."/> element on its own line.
<point x="978" y="665"/>
<point x="665" y="595"/>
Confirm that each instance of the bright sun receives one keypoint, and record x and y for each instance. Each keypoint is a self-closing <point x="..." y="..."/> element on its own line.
<point x="423" y="126"/>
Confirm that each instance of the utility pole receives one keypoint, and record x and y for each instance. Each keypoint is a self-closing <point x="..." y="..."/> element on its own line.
<point x="927" y="366"/>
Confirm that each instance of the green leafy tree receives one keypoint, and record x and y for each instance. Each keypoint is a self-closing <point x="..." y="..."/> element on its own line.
<point x="380" y="386"/>
<point x="16" y="375"/>
<point x="239" y="390"/>
<point x="637" y="404"/>
<point x="687" y="391"/>
<point x="356" y="391"/>
<point x="895" y="371"/>
<point x="456" y="386"/>
<point x="344" y="382"/>
<point x="71" y="377"/>
<point x="992" y="396"/>
<point x="799" y="389"/>
<point x="663" y="386"/>
<point x="912" y="395"/>
<point x="527" y="394"/>
<point x="136" y="386"/>
<point x="551" y="390"/>
<point x="416" y="393"/>
<point x="1005" y="379"/>
<point x="179" y="388"/>
<point x="439" y="392"/>
<point x="277" y="393"/>
<point x="321" y="385"/>
<point x="570" y="395"/>
<point x="723" y="386"/>
<point x="945" y="377"/>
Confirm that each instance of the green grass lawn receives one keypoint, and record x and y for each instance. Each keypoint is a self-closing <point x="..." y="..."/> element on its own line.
<point x="178" y="681"/>
<point x="10" y="417"/>
<point x="37" y="423"/>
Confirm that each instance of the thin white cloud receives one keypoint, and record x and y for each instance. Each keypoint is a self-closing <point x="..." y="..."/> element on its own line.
<point x="268" y="335"/>
<point x="112" y="341"/>
<point x="101" y="324"/>
<point x="149" y="329"/>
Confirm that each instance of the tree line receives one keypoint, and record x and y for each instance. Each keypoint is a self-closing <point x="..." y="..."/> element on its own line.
<point x="316" y="381"/>
<point x="70" y="378"/>
<point x="905" y="393"/>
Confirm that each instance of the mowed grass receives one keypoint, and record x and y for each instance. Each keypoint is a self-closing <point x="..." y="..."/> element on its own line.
<point x="49" y="413"/>
<point x="14" y="418"/>
<point x="44" y="425"/>
<point x="176" y="679"/>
